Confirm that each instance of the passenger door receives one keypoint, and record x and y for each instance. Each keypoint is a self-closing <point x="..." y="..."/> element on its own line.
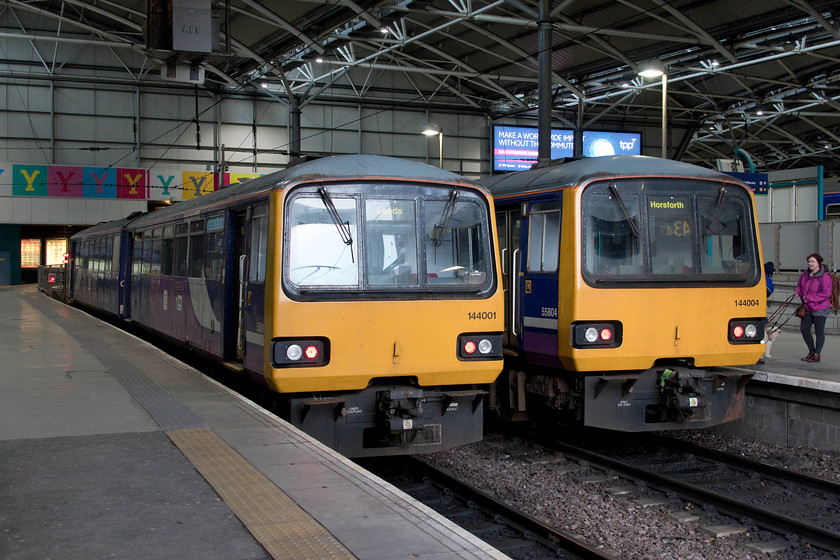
<point x="252" y="303"/>
<point x="539" y="279"/>
<point x="508" y="224"/>
<point x="236" y="337"/>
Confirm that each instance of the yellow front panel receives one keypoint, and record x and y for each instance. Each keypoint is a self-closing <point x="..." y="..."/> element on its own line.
<point x="384" y="339"/>
<point x="658" y="323"/>
<point x="666" y="323"/>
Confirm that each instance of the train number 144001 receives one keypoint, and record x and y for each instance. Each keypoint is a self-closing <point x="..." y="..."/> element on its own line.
<point x="482" y="315"/>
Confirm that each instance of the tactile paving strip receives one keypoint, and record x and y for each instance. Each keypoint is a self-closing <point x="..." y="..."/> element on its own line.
<point x="275" y="520"/>
<point x="158" y="403"/>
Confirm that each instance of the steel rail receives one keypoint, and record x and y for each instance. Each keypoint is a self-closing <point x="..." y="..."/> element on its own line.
<point x="522" y="522"/>
<point x="774" y="521"/>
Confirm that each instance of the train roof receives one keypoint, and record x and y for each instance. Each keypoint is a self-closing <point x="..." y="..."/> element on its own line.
<point x="332" y="168"/>
<point x="579" y="172"/>
<point x="106" y="228"/>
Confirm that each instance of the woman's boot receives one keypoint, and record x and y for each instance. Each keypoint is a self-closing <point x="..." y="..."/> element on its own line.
<point x="814" y="358"/>
<point x="808" y="357"/>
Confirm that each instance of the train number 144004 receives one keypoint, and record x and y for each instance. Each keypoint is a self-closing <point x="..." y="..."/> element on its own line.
<point x="746" y="303"/>
<point x="482" y="315"/>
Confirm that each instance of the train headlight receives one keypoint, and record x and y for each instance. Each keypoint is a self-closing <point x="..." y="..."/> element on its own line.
<point x="480" y="347"/>
<point x="294" y="352"/>
<point x="746" y="331"/>
<point x="310" y="352"/>
<point x="596" y="335"/>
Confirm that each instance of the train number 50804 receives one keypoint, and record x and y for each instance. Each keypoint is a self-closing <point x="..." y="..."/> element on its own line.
<point x="746" y="303"/>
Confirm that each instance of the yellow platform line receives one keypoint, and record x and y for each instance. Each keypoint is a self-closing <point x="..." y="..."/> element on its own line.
<point x="284" y="529"/>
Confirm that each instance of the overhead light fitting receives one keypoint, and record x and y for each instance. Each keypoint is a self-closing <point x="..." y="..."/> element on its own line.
<point x="651" y="69"/>
<point x="430" y="129"/>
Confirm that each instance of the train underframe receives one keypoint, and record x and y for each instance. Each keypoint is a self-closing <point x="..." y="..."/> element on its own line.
<point x="670" y="396"/>
<point x="390" y="419"/>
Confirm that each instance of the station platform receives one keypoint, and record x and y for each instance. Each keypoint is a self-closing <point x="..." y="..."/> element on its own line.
<point x="785" y="367"/>
<point x="110" y="448"/>
<point x="789" y="402"/>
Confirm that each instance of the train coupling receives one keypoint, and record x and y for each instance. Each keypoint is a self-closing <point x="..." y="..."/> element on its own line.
<point x="682" y="392"/>
<point x="402" y="409"/>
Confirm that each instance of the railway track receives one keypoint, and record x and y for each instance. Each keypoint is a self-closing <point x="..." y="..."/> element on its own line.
<point x="513" y="532"/>
<point x="791" y="505"/>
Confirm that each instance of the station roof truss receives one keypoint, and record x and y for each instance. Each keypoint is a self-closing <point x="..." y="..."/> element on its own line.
<point x="762" y="76"/>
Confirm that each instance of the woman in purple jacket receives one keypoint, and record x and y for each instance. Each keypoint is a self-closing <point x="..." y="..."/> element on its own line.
<point x="814" y="288"/>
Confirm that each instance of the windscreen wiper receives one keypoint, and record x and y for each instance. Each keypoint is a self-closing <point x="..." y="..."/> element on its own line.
<point x="343" y="227"/>
<point x="618" y="199"/>
<point x="445" y="217"/>
<point x="718" y="205"/>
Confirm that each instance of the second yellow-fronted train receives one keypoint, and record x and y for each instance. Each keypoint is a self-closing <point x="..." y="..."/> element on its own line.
<point x="634" y="293"/>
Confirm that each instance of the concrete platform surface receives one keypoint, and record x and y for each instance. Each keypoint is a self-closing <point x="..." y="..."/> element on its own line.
<point x="110" y="448"/>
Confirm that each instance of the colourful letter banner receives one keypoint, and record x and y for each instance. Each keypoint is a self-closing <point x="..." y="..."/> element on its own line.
<point x="99" y="182"/>
<point x="132" y="183"/>
<point x="197" y="183"/>
<point x="164" y="184"/>
<point x="107" y="182"/>
<point x="30" y="180"/>
<point x="65" y="181"/>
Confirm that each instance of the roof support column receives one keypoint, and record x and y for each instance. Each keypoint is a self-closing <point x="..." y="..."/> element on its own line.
<point x="544" y="79"/>
<point x="294" y="139"/>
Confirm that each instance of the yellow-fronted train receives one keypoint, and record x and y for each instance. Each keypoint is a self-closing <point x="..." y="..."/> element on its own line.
<point x="633" y="291"/>
<point x="362" y="290"/>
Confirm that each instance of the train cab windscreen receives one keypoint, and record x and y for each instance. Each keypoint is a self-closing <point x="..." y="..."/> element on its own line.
<point x="364" y="242"/>
<point x="658" y="231"/>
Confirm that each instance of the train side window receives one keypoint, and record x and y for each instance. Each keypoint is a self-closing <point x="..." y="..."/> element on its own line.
<point x="137" y="254"/>
<point x="214" y="248"/>
<point x="157" y="248"/>
<point x="147" y="251"/>
<point x="109" y="253"/>
<point x="167" y="248"/>
<point x="544" y="237"/>
<point x="115" y="257"/>
<point x="81" y="257"/>
<point x="181" y="231"/>
<point x="390" y="241"/>
<point x="259" y="243"/>
<point x="196" y="250"/>
<point x="94" y="261"/>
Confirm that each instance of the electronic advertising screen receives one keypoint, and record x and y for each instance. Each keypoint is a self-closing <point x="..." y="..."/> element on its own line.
<point x="598" y="143"/>
<point x="515" y="148"/>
